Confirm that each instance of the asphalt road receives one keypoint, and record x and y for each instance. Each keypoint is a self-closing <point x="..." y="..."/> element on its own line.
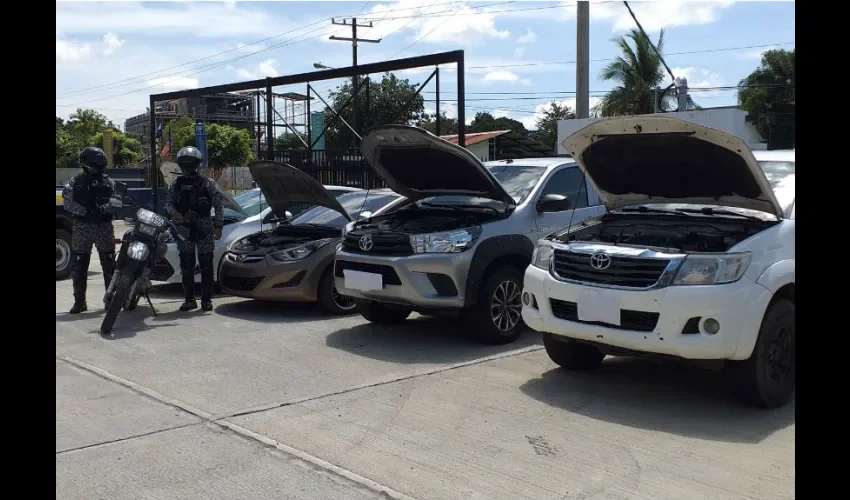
<point x="271" y="401"/>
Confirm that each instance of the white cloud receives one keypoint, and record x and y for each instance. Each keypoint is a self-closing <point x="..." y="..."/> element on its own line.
<point x="700" y="78"/>
<point x="69" y="51"/>
<point x="112" y="42"/>
<point x="174" y="82"/>
<point x="519" y="51"/>
<point x="267" y="68"/>
<point x="450" y="23"/>
<point x="245" y="74"/>
<point x="199" y="19"/>
<point x="501" y="75"/>
<point x="529" y="37"/>
<point x="756" y="54"/>
<point x="654" y="15"/>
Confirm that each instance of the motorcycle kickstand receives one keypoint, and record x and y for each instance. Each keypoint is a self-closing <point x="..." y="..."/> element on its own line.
<point x="147" y="297"/>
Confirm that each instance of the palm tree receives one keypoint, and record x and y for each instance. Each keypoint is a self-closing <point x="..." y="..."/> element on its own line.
<point x="639" y="72"/>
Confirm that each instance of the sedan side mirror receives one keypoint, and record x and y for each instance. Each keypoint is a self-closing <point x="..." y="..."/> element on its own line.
<point x="553" y="203"/>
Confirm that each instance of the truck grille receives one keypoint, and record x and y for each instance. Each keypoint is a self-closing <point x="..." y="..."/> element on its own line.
<point x="240" y="284"/>
<point x="390" y="277"/>
<point x="639" y="321"/>
<point x="632" y="272"/>
<point x="382" y="243"/>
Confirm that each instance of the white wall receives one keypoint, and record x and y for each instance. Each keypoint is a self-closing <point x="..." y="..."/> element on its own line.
<point x="729" y="120"/>
<point x="481" y="150"/>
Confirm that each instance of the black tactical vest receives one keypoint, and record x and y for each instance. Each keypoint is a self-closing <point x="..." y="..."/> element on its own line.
<point x="91" y="191"/>
<point x="192" y="195"/>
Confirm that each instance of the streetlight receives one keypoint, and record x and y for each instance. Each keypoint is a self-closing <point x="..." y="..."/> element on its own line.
<point x="319" y="65"/>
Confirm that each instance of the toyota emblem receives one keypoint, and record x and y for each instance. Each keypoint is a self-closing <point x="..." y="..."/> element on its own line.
<point x="600" y="261"/>
<point x="365" y="242"/>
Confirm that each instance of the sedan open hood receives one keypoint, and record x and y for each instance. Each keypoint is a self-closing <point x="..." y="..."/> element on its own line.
<point x="656" y="159"/>
<point x="171" y="171"/>
<point x="418" y="164"/>
<point x="284" y="186"/>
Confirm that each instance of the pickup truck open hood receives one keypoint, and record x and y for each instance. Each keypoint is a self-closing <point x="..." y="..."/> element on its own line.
<point x="171" y="171"/>
<point x="637" y="160"/>
<point x="284" y="186"/>
<point x="418" y="164"/>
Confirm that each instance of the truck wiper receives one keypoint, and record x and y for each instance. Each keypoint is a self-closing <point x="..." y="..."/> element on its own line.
<point x="715" y="211"/>
<point x="647" y="210"/>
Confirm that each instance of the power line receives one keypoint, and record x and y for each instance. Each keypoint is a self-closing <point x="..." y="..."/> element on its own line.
<point x="426" y="34"/>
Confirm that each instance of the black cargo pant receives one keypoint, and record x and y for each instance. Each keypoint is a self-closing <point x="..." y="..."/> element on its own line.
<point x="205" y="247"/>
<point x="83" y="236"/>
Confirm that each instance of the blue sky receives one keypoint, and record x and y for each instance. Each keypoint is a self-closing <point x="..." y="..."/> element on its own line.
<point x="112" y="56"/>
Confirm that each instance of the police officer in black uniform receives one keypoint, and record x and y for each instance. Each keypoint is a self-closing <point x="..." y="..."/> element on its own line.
<point x="190" y="201"/>
<point x="87" y="197"/>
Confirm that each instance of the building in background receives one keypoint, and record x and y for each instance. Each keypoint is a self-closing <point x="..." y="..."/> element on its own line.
<point x="501" y="145"/>
<point x="729" y="119"/>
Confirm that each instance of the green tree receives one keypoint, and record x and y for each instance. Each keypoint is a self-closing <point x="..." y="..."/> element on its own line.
<point x="84" y="124"/>
<point x="181" y="131"/>
<point x="547" y="125"/>
<point x="228" y="146"/>
<point x="126" y="150"/>
<point x="66" y="149"/>
<point x="390" y="101"/>
<point x="765" y="94"/>
<point x="638" y="71"/>
<point x="448" y="126"/>
<point x="289" y="141"/>
<point x="485" y="122"/>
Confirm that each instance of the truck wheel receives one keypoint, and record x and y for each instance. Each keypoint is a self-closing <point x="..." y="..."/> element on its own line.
<point x="382" y="314"/>
<point x="572" y="355"/>
<point x="767" y="378"/>
<point x="498" y="315"/>
<point x="330" y="299"/>
<point x="63" y="254"/>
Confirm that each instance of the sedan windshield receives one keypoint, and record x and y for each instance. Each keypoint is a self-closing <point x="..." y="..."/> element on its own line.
<point x="517" y="180"/>
<point x="351" y="202"/>
<point x="252" y="202"/>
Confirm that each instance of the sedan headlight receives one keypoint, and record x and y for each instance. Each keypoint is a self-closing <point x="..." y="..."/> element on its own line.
<point x="542" y="255"/>
<point x="447" y="242"/>
<point x="233" y="244"/>
<point x="712" y="269"/>
<point x="300" y="252"/>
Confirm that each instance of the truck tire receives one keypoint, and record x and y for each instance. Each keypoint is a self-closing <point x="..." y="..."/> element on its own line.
<point x="572" y="355"/>
<point x="498" y="315"/>
<point x="767" y="378"/>
<point x="382" y="314"/>
<point x="64" y="262"/>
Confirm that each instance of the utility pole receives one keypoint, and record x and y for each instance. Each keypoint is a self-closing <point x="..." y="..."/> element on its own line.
<point x="583" y="60"/>
<point x="353" y="23"/>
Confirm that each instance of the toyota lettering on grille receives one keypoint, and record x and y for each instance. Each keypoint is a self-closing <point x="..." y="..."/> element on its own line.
<point x="600" y="261"/>
<point x="366" y="242"/>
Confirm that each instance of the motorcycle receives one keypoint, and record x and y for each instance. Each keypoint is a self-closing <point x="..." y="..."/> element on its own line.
<point x="141" y="248"/>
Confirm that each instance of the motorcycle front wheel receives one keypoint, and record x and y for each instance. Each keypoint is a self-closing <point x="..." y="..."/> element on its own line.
<point x="122" y="289"/>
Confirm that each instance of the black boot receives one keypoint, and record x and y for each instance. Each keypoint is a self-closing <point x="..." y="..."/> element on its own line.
<point x="187" y="272"/>
<point x="79" y="276"/>
<point x="205" y="261"/>
<point x="107" y="264"/>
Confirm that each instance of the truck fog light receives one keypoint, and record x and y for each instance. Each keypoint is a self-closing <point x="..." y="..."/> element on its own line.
<point x="526" y="298"/>
<point x="711" y="326"/>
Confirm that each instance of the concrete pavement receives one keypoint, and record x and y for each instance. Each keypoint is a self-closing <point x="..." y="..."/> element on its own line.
<point x="280" y="401"/>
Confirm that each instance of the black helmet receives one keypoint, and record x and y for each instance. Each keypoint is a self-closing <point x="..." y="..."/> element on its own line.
<point x="189" y="160"/>
<point x="93" y="161"/>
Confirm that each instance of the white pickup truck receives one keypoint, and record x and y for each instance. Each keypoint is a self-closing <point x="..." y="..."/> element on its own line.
<point x="694" y="260"/>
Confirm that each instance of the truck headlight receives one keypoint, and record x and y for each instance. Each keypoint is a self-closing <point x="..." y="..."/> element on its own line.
<point x="445" y="242"/>
<point x="542" y="255"/>
<point x="712" y="269"/>
<point x="300" y="252"/>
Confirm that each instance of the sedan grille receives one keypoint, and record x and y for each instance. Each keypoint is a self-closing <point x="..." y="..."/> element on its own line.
<point x="240" y="284"/>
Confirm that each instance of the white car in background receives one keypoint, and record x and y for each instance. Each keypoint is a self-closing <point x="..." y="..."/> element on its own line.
<point x="244" y="214"/>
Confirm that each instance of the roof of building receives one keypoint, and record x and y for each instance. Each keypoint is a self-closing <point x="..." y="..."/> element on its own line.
<point x="511" y="144"/>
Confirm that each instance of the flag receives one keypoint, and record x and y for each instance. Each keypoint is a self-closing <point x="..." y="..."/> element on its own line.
<point x="166" y="149"/>
<point x="159" y="129"/>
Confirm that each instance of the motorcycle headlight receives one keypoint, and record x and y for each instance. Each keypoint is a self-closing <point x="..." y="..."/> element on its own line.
<point x="146" y="229"/>
<point x="137" y="251"/>
<point x="711" y="269"/>
<point x="542" y="255"/>
<point x="299" y="252"/>
<point x="446" y="242"/>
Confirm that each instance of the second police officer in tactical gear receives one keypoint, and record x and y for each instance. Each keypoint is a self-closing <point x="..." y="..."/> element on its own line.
<point x="191" y="200"/>
<point x="87" y="198"/>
